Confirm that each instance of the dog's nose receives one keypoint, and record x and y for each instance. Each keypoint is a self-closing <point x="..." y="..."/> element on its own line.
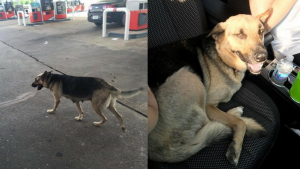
<point x="260" y="57"/>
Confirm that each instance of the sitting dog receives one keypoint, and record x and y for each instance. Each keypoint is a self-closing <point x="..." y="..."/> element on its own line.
<point x="100" y="93"/>
<point x="190" y="78"/>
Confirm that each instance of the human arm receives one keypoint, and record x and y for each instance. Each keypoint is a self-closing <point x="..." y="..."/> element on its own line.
<point x="152" y="111"/>
<point x="280" y="9"/>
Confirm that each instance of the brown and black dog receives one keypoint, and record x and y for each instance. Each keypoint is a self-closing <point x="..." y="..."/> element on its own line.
<point x="102" y="94"/>
<point x="191" y="77"/>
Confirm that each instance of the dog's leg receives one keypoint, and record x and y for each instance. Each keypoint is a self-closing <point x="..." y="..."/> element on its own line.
<point x="99" y="112"/>
<point x="80" y="117"/>
<point x="112" y="108"/>
<point x="238" y="111"/>
<point x="236" y="124"/>
<point x="103" y="118"/>
<point x="56" y="102"/>
<point x="253" y="128"/>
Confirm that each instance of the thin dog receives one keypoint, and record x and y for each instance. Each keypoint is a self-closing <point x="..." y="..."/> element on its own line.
<point x="191" y="77"/>
<point x="101" y="94"/>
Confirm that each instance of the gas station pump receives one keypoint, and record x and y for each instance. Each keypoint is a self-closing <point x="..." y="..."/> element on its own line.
<point x="19" y="8"/>
<point x="60" y="10"/>
<point x="7" y="11"/>
<point x="138" y="14"/>
<point x="2" y="12"/>
<point x="34" y="12"/>
<point x="76" y="4"/>
<point x="47" y="9"/>
<point x="9" y="8"/>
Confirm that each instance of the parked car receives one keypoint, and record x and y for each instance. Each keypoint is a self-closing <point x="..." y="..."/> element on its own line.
<point x="97" y="7"/>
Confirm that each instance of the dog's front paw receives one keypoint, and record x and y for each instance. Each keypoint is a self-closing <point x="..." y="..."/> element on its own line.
<point x="238" y="111"/>
<point x="79" y="118"/>
<point x="233" y="153"/>
<point x="123" y="128"/>
<point x="50" y="111"/>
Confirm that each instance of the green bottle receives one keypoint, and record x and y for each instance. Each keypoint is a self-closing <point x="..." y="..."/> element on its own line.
<point x="295" y="89"/>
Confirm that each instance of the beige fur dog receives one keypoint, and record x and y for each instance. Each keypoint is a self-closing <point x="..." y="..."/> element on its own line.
<point x="200" y="74"/>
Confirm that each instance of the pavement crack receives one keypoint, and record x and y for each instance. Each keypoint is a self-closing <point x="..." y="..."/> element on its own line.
<point x="37" y="60"/>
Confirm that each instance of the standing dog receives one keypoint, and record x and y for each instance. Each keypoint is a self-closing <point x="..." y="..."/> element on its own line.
<point x="191" y="77"/>
<point x="100" y="93"/>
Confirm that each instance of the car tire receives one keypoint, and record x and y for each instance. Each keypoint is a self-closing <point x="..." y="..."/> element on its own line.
<point x="98" y="23"/>
<point x="122" y="20"/>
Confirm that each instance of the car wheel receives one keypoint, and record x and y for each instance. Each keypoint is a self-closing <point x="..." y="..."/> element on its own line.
<point x="122" y="20"/>
<point x="98" y="24"/>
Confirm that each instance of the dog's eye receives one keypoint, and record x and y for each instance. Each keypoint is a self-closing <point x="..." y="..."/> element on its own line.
<point x="260" y="32"/>
<point x="241" y="35"/>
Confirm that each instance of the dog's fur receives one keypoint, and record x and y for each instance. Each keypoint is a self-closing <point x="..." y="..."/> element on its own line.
<point x="191" y="77"/>
<point x="100" y="93"/>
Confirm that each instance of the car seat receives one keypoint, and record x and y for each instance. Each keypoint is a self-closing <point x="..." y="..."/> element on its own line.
<point x="174" y="20"/>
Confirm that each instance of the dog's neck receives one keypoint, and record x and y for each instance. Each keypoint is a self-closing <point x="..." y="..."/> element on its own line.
<point x="47" y="81"/>
<point x="237" y="74"/>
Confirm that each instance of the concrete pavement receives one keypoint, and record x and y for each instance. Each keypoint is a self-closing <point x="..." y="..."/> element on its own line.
<point x="32" y="138"/>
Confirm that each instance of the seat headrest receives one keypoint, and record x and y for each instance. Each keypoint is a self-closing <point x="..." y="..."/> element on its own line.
<point x="173" y="20"/>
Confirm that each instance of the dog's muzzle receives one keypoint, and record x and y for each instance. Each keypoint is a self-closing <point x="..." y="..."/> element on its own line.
<point x="260" y="58"/>
<point x="39" y="86"/>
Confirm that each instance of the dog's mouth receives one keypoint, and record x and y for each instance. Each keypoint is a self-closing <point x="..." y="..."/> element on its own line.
<point x="255" y="68"/>
<point x="38" y="86"/>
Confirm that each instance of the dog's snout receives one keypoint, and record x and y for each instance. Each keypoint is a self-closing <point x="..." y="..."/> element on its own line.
<point x="260" y="57"/>
<point x="34" y="85"/>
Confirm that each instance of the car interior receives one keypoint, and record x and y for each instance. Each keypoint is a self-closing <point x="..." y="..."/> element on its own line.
<point x="270" y="105"/>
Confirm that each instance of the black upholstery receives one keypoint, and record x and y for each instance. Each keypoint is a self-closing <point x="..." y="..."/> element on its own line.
<point x="217" y="11"/>
<point x="240" y="5"/>
<point x="172" y="20"/>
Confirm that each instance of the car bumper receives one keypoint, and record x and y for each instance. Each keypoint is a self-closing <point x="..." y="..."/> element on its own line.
<point x="97" y="17"/>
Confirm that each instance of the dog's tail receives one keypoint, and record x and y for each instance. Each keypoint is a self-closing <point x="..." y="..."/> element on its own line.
<point x="129" y="93"/>
<point x="210" y="133"/>
<point x="254" y="129"/>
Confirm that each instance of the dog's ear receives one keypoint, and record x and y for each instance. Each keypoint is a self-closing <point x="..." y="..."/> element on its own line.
<point x="44" y="75"/>
<point x="264" y="16"/>
<point x="218" y="30"/>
